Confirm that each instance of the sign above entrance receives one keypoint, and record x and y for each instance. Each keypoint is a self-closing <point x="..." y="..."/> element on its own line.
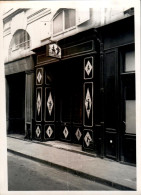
<point x="53" y="50"/>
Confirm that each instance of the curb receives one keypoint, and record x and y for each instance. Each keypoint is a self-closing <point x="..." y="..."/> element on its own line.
<point x="78" y="173"/>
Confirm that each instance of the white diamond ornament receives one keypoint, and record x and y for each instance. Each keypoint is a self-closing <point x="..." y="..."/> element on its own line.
<point x="78" y="134"/>
<point x="88" y="103"/>
<point x="38" y="131"/>
<point x="87" y="139"/>
<point x="50" y="103"/>
<point x="65" y="132"/>
<point x="38" y="103"/>
<point x="39" y="77"/>
<point x="88" y="68"/>
<point x="49" y="131"/>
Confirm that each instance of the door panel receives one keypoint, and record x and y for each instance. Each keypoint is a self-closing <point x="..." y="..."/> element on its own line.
<point x="49" y="131"/>
<point x="49" y="105"/>
<point x="111" y="103"/>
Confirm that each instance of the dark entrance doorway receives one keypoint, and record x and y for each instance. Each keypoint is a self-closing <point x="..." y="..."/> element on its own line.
<point x="65" y="78"/>
<point x="16" y="105"/>
<point x="71" y="98"/>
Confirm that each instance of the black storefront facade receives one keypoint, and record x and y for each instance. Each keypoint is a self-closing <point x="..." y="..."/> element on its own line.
<point x="86" y="97"/>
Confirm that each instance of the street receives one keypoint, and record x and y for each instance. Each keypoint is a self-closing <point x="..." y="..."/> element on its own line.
<point x="28" y="175"/>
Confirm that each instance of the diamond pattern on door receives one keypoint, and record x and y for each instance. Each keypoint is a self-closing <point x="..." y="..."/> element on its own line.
<point x="78" y="134"/>
<point x="39" y="77"/>
<point x="50" y="103"/>
<point x="38" y="131"/>
<point x="38" y="113"/>
<point x="65" y="132"/>
<point x="87" y="139"/>
<point x="88" y="68"/>
<point x="49" y="131"/>
<point x="88" y="103"/>
<point x="38" y="103"/>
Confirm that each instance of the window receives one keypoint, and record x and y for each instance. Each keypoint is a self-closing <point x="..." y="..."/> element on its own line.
<point x="129" y="61"/>
<point x="20" y="40"/>
<point x="64" y="20"/>
<point x="128" y="90"/>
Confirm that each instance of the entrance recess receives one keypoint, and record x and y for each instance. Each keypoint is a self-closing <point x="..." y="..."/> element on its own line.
<point x="59" y="101"/>
<point x="69" y="100"/>
<point x="16" y="106"/>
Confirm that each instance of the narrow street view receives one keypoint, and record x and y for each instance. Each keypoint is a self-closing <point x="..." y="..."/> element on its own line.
<point x="70" y="83"/>
<point x="28" y="175"/>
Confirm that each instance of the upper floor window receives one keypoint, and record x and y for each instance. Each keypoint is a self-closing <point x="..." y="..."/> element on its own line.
<point x="20" y="40"/>
<point x="64" y="20"/>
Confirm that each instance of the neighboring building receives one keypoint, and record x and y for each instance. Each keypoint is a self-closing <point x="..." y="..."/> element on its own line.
<point x="70" y="75"/>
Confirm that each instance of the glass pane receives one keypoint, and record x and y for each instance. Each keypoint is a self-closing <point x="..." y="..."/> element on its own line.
<point x="58" y="23"/>
<point x="131" y="116"/>
<point x="69" y="18"/>
<point x="130" y="61"/>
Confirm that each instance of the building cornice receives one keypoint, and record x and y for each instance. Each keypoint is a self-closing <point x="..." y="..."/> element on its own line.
<point x="8" y="15"/>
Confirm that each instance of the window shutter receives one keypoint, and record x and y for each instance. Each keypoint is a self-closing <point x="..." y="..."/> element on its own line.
<point x="83" y="15"/>
<point x="45" y="29"/>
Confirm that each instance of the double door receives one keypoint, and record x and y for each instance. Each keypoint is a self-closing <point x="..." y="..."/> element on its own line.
<point x="59" y="101"/>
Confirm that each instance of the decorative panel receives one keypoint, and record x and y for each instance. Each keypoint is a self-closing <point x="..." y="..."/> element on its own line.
<point x="78" y="49"/>
<point x="88" y="140"/>
<point x="88" y="104"/>
<point x="130" y="148"/>
<point x="66" y="132"/>
<point x="88" y="68"/>
<point x="39" y="76"/>
<point x="111" y="144"/>
<point x="49" y="104"/>
<point x="77" y="134"/>
<point x="38" y="104"/>
<point x="49" y="132"/>
<point x="38" y="131"/>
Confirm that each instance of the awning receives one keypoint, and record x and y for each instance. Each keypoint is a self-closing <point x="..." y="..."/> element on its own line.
<point x="20" y="65"/>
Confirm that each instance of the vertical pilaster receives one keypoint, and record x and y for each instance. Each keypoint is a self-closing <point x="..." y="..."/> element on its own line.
<point x="29" y="95"/>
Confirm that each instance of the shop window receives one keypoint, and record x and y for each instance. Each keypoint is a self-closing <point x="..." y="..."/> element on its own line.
<point x="20" y="40"/>
<point x="64" y="20"/>
<point x="128" y="91"/>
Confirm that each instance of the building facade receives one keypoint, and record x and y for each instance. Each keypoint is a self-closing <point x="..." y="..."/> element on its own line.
<point x="70" y="76"/>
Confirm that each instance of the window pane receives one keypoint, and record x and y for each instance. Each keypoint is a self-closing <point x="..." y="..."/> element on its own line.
<point x="69" y="18"/>
<point x="130" y="61"/>
<point x="58" y="23"/>
<point x="21" y="39"/>
<point x="131" y="116"/>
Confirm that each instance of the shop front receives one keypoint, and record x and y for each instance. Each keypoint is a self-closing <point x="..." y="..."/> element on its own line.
<point x="87" y="95"/>
<point x="65" y="89"/>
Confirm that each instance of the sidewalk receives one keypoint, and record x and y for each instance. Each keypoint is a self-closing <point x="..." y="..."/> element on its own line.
<point x="72" y="159"/>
